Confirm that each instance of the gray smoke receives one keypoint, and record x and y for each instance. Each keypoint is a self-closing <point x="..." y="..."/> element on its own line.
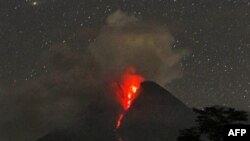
<point x="126" y="41"/>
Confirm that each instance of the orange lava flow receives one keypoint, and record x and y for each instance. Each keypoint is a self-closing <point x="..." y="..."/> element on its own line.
<point x="126" y="90"/>
<point x="118" y="123"/>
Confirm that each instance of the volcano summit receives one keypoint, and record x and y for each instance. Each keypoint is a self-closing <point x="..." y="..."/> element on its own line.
<point x="155" y="115"/>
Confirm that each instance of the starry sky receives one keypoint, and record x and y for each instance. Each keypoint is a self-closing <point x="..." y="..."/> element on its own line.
<point x="215" y="33"/>
<point x="200" y="49"/>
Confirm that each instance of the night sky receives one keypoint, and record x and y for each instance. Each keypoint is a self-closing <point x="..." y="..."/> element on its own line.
<point x="215" y="34"/>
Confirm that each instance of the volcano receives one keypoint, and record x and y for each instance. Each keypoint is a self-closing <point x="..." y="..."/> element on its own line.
<point x="155" y="115"/>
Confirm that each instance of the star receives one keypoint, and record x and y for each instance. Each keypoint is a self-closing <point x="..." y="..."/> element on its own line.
<point x="34" y="3"/>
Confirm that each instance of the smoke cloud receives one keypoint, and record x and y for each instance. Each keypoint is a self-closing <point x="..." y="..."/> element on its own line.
<point x="126" y="41"/>
<point x="75" y="80"/>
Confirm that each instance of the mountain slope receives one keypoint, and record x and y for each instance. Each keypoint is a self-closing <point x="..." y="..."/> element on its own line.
<point x="156" y="115"/>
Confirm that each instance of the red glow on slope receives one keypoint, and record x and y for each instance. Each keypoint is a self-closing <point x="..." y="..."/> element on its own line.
<point x="126" y="89"/>
<point x="119" y="121"/>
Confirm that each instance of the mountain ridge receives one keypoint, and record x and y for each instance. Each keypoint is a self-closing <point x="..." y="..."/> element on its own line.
<point x="154" y="115"/>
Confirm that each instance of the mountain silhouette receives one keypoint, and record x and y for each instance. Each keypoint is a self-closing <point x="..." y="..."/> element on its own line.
<point x="155" y="115"/>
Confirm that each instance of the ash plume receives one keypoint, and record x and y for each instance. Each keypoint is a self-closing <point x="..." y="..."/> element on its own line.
<point x="127" y="41"/>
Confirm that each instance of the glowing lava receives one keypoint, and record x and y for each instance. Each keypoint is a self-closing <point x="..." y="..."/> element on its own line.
<point x="119" y="120"/>
<point x="126" y="90"/>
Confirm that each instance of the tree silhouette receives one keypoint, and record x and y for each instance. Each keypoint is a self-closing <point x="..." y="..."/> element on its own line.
<point x="210" y="122"/>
